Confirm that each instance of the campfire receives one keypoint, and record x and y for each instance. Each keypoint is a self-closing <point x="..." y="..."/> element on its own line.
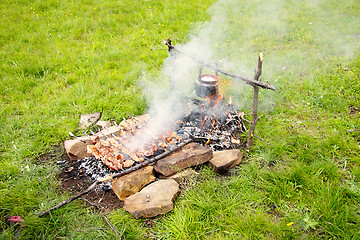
<point x="208" y="120"/>
<point x="211" y="122"/>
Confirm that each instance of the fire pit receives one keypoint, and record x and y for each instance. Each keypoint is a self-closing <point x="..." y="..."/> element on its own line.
<point x="215" y="124"/>
<point x="208" y="120"/>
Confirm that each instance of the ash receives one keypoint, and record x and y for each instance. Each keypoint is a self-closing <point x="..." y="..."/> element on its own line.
<point x="96" y="169"/>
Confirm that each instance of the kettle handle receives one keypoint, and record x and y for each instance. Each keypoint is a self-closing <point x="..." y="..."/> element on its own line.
<point x="206" y="65"/>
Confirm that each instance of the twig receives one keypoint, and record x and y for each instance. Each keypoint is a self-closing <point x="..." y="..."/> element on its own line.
<point x="119" y="174"/>
<point x="211" y="232"/>
<point x="92" y="204"/>
<point x="261" y="139"/>
<point x="91" y="187"/>
<point x="353" y="130"/>
<point x="106" y="219"/>
<point x="112" y="226"/>
<point x="245" y="120"/>
<point x="88" y="229"/>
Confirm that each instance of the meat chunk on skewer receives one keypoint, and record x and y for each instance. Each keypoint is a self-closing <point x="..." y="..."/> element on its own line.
<point x="128" y="163"/>
<point x="174" y="135"/>
<point x="162" y="144"/>
<point x="117" y="152"/>
<point x="91" y="149"/>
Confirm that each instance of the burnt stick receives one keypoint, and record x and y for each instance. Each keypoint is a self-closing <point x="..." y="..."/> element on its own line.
<point x="147" y="162"/>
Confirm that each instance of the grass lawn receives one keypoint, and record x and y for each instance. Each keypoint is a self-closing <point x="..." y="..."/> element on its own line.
<point x="60" y="59"/>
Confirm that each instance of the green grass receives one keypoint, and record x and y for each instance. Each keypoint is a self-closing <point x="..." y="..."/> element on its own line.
<point x="61" y="59"/>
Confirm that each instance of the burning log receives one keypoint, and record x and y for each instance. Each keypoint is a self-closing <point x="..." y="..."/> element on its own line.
<point x="119" y="174"/>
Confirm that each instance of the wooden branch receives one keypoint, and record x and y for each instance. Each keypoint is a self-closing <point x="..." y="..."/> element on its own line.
<point x="251" y="82"/>
<point x="119" y="174"/>
<point x="105" y="218"/>
<point x="92" y="186"/>
<point x="88" y="229"/>
<point x="255" y="104"/>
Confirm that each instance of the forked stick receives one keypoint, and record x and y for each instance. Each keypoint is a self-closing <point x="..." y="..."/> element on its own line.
<point x="255" y="104"/>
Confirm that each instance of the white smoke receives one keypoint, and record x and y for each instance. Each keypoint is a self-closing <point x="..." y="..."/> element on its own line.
<point x="237" y="32"/>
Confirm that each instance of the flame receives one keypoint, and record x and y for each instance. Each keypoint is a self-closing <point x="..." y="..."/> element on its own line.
<point x="213" y="120"/>
<point x="216" y="101"/>
<point x="234" y="140"/>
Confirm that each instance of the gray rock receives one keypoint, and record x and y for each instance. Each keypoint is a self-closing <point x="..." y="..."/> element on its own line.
<point x="103" y="124"/>
<point x="76" y="149"/>
<point x="155" y="199"/>
<point x="181" y="176"/>
<point x="222" y="161"/>
<point x="192" y="154"/>
<point x="87" y="120"/>
<point x="131" y="183"/>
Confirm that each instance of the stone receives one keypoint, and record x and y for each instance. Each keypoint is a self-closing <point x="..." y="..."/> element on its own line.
<point x="76" y="148"/>
<point x="155" y="199"/>
<point x="109" y="132"/>
<point x="103" y="124"/>
<point x="192" y="154"/>
<point x="87" y="120"/>
<point x="132" y="183"/>
<point x="222" y="161"/>
<point x="183" y="175"/>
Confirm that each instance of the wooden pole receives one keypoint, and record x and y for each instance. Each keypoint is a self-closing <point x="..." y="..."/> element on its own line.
<point x="255" y="103"/>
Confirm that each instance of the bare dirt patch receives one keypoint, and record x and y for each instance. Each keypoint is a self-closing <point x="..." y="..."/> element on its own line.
<point x="74" y="181"/>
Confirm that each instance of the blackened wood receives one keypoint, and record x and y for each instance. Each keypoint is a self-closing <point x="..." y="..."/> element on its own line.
<point x="169" y="45"/>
